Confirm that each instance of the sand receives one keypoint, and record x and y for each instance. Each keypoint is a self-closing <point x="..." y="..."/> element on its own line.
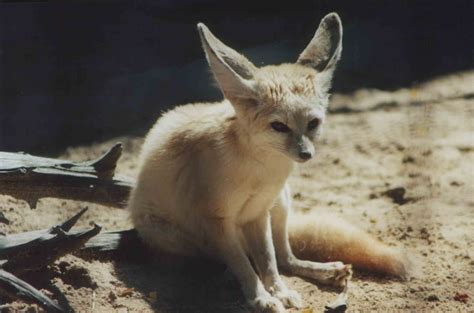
<point x="420" y="139"/>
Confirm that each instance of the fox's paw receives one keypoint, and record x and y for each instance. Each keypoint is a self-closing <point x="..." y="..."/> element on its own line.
<point x="267" y="304"/>
<point x="278" y="289"/>
<point x="336" y="273"/>
<point x="289" y="298"/>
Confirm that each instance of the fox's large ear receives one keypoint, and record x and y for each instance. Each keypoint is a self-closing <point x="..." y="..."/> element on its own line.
<point x="233" y="72"/>
<point x="324" y="50"/>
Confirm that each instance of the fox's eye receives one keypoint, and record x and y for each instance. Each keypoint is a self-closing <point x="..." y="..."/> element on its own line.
<point x="280" y="127"/>
<point x="313" y="124"/>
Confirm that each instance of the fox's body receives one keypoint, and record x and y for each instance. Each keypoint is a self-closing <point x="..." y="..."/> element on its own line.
<point x="213" y="176"/>
<point x="204" y="175"/>
<point x="210" y="163"/>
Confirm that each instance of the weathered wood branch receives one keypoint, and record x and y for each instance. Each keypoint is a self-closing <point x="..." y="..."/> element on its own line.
<point x="30" y="178"/>
<point x="15" y="288"/>
<point x="34" y="250"/>
<point x="123" y="245"/>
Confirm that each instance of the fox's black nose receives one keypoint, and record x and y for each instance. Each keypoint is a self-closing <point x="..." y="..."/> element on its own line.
<point x="305" y="155"/>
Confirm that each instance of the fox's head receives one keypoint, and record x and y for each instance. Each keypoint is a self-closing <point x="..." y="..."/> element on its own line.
<point x="282" y="106"/>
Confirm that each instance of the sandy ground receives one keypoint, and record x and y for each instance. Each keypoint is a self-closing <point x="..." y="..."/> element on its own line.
<point x="420" y="139"/>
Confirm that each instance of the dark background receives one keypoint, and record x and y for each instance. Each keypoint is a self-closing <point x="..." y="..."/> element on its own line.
<point x="76" y="72"/>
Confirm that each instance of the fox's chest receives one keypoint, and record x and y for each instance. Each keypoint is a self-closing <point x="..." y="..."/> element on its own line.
<point x="242" y="189"/>
<point x="258" y="196"/>
<point x="254" y="206"/>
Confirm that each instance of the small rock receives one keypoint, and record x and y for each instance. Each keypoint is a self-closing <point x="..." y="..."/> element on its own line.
<point x="397" y="195"/>
<point x="432" y="298"/>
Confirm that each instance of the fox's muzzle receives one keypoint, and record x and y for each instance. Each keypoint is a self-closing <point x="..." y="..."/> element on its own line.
<point x="305" y="149"/>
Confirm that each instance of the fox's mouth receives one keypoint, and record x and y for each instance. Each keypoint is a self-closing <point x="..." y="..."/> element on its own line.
<point x="302" y="161"/>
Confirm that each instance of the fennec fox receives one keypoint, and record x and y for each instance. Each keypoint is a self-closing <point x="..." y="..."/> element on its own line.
<point x="213" y="176"/>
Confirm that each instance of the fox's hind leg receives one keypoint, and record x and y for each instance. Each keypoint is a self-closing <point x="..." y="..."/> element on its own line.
<point x="334" y="273"/>
<point x="163" y="236"/>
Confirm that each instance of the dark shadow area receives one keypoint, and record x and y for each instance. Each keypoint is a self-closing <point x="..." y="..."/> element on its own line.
<point x="193" y="286"/>
<point x="183" y="284"/>
<point x="76" y="72"/>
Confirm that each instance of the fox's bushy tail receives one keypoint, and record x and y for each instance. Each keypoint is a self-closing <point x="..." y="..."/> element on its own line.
<point x="326" y="238"/>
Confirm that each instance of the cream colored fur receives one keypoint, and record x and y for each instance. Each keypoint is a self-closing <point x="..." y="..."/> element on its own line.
<point x="213" y="176"/>
<point x="327" y="238"/>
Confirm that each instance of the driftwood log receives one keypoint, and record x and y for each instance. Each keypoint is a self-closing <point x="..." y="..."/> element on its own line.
<point x="30" y="178"/>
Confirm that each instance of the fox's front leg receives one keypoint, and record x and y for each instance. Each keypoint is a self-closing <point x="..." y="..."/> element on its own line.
<point x="260" y="247"/>
<point x="224" y="235"/>
<point x="334" y="273"/>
